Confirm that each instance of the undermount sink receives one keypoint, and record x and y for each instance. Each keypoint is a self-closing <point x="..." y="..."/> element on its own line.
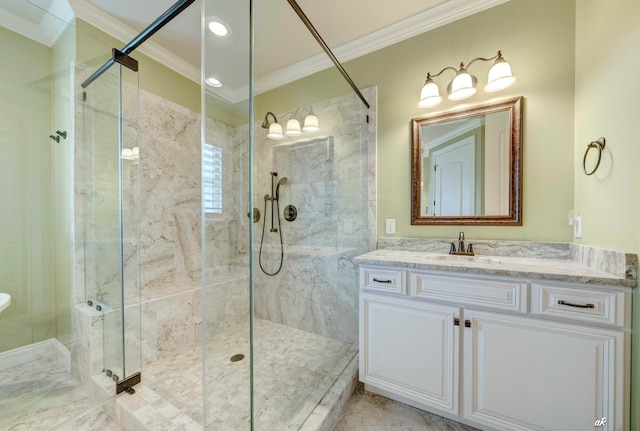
<point x="5" y="301"/>
<point x="463" y="258"/>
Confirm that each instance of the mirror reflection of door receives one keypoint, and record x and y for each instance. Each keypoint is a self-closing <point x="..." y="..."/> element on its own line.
<point x="453" y="185"/>
<point x="466" y="166"/>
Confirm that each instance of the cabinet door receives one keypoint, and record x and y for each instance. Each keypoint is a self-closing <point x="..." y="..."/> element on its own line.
<point x="523" y="374"/>
<point x="410" y="348"/>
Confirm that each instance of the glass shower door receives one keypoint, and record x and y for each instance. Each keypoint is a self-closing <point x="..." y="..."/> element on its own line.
<point x="111" y="215"/>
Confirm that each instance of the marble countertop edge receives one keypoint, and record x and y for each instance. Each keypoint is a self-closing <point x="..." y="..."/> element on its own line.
<point x="530" y="268"/>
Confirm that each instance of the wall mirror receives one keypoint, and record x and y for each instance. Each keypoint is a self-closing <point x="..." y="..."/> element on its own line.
<point x="467" y="166"/>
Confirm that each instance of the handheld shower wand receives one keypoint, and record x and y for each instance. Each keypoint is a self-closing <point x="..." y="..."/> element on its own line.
<point x="275" y="213"/>
<point x="282" y="181"/>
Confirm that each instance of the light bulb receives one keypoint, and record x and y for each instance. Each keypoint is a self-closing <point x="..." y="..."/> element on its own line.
<point x="429" y="95"/>
<point x="293" y="128"/>
<point x="311" y="123"/>
<point x="500" y="76"/>
<point x="462" y="86"/>
<point x="275" y="131"/>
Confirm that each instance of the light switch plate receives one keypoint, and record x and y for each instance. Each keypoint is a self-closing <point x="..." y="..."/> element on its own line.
<point x="390" y="226"/>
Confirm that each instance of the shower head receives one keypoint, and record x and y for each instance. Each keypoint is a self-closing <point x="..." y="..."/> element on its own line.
<point x="282" y="180"/>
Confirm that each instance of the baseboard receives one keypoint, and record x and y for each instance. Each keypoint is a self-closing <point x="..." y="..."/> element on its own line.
<point x="40" y="350"/>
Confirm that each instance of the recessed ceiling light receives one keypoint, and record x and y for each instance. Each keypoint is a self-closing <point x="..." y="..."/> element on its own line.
<point x="218" y="27"/>
<point x="213" y="82"/>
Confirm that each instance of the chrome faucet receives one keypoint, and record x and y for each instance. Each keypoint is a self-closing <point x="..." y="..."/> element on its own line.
<point x="459" y="249"/>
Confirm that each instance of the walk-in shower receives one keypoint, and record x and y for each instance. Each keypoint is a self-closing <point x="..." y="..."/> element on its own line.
<point x="145" y="232"/>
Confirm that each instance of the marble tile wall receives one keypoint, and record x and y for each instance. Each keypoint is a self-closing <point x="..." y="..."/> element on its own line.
<point x="169" y="248"/>
<point x="317" y="289"/>
<point x="331" y="181"/>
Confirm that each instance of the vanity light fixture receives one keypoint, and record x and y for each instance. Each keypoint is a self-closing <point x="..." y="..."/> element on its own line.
<point x="463" y="84"/>
<point x="293" y="125"/>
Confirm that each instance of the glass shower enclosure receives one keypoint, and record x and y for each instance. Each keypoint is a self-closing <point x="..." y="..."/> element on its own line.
<point x="279" y="285"/>
<point x="111" y="216"/>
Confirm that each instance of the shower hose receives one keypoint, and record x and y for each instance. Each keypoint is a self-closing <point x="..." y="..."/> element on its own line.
<point x="264" y="221"/>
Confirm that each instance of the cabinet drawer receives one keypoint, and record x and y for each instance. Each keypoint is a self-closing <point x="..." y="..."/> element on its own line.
<point x="383" y="280"/>
<point x="504" y="295"/>
<point x="589" y="305"/>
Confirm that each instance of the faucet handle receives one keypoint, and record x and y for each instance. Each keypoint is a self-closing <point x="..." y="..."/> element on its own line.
<point x="470" y="249"/>
<point x="461" y="236"/>
<point x="452" y="250"/>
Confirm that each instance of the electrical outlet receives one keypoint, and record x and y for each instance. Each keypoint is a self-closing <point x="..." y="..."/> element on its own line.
<point x="390" y="226"/>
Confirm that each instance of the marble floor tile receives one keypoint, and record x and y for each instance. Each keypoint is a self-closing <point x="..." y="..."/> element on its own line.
<point x="293" y="371"/>
<point x="41" y="395"/>
<point x="370" y="412"/>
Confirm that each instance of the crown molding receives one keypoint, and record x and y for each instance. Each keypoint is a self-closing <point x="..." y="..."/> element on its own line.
<point x="103" y="21"/>
<point x="430" y="19"/>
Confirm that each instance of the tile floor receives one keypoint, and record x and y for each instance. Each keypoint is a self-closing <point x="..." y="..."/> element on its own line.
<point x="370" y="412"/>
<point x="41" y="395"/>
<point x="293" y="371"/>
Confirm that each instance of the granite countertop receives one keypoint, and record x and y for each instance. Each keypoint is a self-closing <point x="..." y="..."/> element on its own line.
<point x="558" y="268"/>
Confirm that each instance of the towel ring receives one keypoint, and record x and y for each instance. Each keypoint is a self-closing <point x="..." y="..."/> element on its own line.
<point x="598" y="145"/>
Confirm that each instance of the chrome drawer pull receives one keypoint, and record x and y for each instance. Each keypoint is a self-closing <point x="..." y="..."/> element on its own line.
<point x="382" y="281"/>
<point x="561" y="302"/>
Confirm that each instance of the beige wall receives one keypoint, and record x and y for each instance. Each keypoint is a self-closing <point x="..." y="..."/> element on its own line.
<point x="607" y="91"/>
<point x="26" y="230"/>
<point x="94" y="48"/>
<point x="537" y="38"/>
<point x="63" y="56"/>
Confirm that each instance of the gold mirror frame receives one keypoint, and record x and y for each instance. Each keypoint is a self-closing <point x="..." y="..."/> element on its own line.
<point x="514" y="218"/>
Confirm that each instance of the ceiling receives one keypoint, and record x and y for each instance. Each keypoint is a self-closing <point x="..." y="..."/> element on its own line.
<point x="284" y="49"/>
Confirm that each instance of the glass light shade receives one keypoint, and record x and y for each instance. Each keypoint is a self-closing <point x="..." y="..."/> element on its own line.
<point x="275" y="131"/>
<point x="293" y="128"/>
<point x="311" y="123"/>
<point x="462" y="86"/>
<point x="500" y="76"/>
<point x="429" y="95"/>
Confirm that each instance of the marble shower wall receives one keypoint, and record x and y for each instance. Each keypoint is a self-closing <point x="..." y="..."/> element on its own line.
<point x="331" y="181"/>
<point x="317" y="289"/>
<point x="167" y="304"/>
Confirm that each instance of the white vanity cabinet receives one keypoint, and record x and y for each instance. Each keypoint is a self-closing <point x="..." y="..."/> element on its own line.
<point x="411" y="348"/>
<point x="497" y="353"/>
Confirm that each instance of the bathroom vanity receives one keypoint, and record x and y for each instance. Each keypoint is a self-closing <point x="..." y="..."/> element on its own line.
<point x="526" y="340"/>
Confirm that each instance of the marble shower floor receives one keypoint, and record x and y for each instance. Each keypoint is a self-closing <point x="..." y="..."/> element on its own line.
<point x="294" y="370"/>
<point x="371" y="412"/>
<point x="41" y="395"/>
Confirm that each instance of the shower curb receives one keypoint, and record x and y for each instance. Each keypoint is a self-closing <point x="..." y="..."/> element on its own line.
<point x="328" y="413"/>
